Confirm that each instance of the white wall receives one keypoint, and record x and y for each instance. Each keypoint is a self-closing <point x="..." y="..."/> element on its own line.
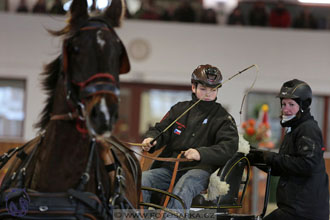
<point x="175" y="50"/>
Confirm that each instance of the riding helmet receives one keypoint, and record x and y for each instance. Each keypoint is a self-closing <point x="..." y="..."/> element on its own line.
<point x="297" y="90"/>
<point x="207" y="75"/>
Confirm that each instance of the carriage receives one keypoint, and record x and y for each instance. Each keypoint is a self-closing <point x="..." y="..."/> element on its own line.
<point x="224" y="197"/>
<point x="88" y="174"/>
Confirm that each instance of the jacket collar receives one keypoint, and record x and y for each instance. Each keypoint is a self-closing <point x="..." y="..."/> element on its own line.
<point x="203" y="105"/>
<point x="300" y="118"/>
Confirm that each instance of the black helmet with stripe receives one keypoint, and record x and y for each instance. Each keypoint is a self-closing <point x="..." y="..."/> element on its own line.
<point x="297" y="90"/>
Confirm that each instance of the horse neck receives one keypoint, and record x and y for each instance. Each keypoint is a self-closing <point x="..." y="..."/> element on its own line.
<point x="61" y="159"/>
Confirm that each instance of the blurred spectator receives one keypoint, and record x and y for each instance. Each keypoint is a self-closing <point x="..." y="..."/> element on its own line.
<point x="39" y="7"/>
<point x="209" y="16"/>
<point x="57" y="8"/>
<point x="22" y="7"/>
<point x="280" y="16"/>
<point x="166" y="14"/>
<point x="148" y="11"/>
<point x="236" y="17"/>
<point x="185" y="12"/>
<point x="258" y="16"/>
<point x="305" y="20"/>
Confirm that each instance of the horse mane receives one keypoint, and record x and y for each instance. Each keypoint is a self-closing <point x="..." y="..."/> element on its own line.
<point x="51" y="75"/>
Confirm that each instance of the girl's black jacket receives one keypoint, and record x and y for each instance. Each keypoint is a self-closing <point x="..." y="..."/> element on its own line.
<point x="207" y="127"/>
<point x="303" y="185"/>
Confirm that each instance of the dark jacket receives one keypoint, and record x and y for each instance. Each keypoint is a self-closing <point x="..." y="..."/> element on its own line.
<point x="303" y="186"/>
<point x="207" y="127"/>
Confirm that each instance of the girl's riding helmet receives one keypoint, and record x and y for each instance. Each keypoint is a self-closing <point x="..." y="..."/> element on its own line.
<point x="297" y="90"/>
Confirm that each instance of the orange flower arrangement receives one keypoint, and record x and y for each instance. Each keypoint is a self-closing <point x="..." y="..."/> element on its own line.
<point x="258" y="135"/>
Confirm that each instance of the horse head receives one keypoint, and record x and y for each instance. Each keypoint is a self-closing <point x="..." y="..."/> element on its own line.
<point x="92" y="58"/>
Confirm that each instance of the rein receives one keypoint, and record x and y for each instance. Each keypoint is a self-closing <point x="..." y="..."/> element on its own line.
<point x="166" y="159"/>
<point x="68" y="117"/>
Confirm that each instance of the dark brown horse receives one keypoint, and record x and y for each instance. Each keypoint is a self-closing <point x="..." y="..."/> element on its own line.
<point x="75" y="169"/>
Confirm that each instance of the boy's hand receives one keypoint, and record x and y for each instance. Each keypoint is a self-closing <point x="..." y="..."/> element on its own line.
<point x="192" y="154"/>
<point x="147" y="145"/>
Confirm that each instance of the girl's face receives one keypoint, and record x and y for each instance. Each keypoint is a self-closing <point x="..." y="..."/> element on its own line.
<point x="289" y="107"/>
<point x="204" y="93"/>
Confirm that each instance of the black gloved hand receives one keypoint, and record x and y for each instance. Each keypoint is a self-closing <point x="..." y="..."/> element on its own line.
<point x="260" y="156"/>
<point x="256" y="156"/>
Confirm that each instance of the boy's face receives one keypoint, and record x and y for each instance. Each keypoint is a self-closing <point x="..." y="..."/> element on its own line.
<point x="204" y="93"/>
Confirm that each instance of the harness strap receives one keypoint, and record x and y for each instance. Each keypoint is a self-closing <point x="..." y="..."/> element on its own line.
<point x="22" y="172"/>
<point x="120" y="178"/>
<point x="100" y="187"/>
<point x="8" y="180"/>
<point x="85" y="176"/>
<point x="90" y="201"/>
<point x="6" y="156"/>
<point x="118" y="200"/>
<point x="22" y="155"/>
<point x="121" y="147"/>
<point x="110" y="167"/>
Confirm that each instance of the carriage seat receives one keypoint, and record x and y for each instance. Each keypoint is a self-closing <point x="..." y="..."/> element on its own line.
<point x="233" y="183"/>
<point x="236" y="173"/>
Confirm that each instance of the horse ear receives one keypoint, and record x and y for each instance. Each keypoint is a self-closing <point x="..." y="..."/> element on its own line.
<point x="115" y="13"/>
<point x="125" y="65"/>
<point x="79" y="12"/>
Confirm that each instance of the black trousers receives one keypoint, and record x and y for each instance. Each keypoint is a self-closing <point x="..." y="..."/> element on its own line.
<point x="278" y="214"/>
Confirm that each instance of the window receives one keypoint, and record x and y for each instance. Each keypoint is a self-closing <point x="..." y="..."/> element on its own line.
<point x="12" y="111"/>
<point x="143" y="104"/>
<point x="156" y="102"/>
